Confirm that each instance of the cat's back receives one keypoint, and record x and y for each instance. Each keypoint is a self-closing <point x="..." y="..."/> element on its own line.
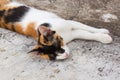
<point x="14" y="4"/>
<point x="17" y="12"/>
<point x="33" y="12"/>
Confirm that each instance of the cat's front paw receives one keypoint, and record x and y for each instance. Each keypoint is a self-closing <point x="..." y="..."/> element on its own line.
<point x="62" y="56"/>
<point x="104" y="38"/>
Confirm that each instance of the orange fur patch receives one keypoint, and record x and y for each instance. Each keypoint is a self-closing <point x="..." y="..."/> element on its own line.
<point x="37" y="46"/>
<point x="4" y="25"/>
<point x="18" y="28"/>
<point x="2" y="22"/>
<point x="42" y="40"/>
<point x="3" y="2"/>
<point x="9" y="26"/>
<point x="45" y="56"/>
<point x="5" y="7"/>
<point x="30" y="31"/>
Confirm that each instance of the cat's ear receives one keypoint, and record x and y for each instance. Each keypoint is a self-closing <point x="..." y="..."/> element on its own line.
<point x="34" y="50"/>
<point x="46" y="31"/>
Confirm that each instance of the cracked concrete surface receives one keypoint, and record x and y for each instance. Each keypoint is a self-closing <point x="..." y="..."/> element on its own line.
<point x="88" y="60"/>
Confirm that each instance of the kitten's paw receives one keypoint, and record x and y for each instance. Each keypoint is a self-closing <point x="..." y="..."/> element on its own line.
<point x="104" y="38"/>
<point x="102" y="30"/>
<point x="62" y="56"/>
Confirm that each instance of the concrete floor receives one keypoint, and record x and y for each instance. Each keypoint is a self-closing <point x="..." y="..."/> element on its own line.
<point x="89" y="60"/>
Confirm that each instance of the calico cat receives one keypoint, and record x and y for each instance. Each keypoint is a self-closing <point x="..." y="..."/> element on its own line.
<point x="51" y="31"/>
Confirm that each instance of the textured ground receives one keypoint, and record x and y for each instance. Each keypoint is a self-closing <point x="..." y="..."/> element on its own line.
<point x="88" y="60"/>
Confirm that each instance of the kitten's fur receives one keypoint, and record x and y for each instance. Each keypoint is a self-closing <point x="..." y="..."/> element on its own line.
<point x="27" y="20"/>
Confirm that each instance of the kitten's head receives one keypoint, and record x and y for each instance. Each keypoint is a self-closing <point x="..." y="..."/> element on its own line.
<point x="49" y="42"/>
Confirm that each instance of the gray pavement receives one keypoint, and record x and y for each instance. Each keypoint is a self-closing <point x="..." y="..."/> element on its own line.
<point x="89" y="60"/>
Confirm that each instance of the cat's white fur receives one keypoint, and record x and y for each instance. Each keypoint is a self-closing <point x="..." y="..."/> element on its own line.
<point x="68" y="29"/>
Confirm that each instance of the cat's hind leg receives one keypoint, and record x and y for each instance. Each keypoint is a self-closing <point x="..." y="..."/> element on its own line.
<point x="82" y="34"/>
<point x="78" y="25"/>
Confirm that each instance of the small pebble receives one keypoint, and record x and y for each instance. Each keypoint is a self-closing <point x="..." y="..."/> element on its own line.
<point x="56" y="71"/>
<point x="52" y="76"/>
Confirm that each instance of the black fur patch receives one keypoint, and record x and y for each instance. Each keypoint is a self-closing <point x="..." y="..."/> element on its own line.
<point x="39" y="37"/>
<point x="46" y="25"/>
<point x="2" y="13"/>
<point x="15" y="14"/>
<point x="50" y="51"/>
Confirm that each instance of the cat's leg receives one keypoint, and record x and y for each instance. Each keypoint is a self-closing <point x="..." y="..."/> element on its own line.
<point x="82" y="34"/>
<point x="78" y="25"/>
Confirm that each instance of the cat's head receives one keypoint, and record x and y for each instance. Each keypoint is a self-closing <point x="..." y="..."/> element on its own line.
<point x="49" y="42"/>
